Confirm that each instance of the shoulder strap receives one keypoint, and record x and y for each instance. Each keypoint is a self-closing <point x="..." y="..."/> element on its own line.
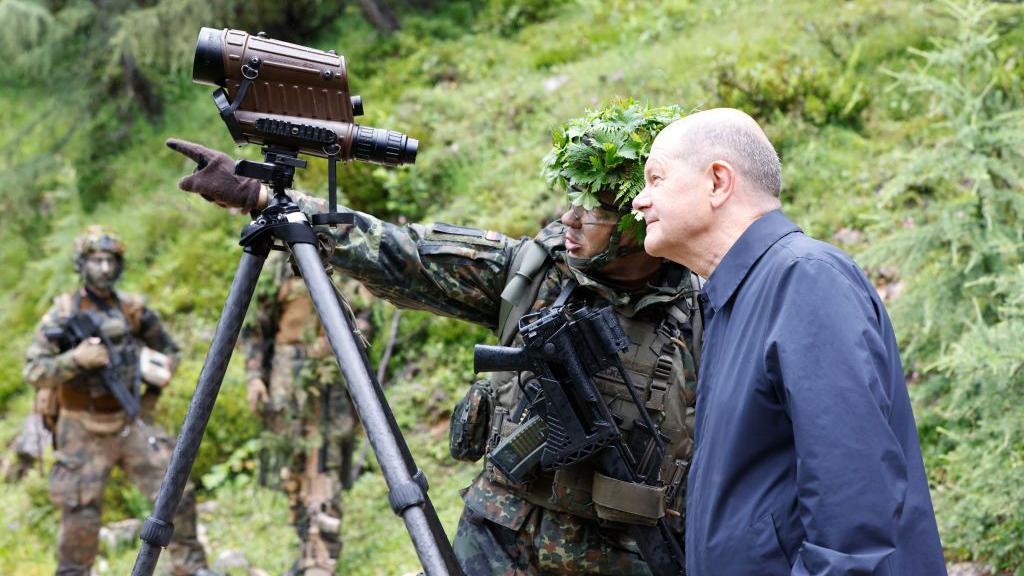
<point x="521" y="287"/>
<point x="66" y="305"/>
<point x="132" y="307"/>
<point x="697" y="320"/>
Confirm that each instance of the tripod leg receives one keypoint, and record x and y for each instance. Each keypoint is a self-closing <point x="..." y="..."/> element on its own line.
<point x="407" y="495"/>
<point x="157" y="530"/>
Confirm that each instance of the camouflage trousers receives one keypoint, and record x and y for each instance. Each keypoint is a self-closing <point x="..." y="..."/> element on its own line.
<point x="546" y="543"/>
<point x="311" y="477"/>
<point x="88" y="448"/>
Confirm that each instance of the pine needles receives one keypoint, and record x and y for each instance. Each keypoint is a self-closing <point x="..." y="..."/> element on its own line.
<point x="954" y="231"/>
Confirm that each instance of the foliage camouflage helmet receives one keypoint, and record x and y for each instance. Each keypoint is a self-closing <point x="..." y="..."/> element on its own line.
<point x="605" y="151"/>
<point x="98" y="239"/>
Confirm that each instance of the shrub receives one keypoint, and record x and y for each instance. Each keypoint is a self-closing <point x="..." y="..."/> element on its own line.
<point x="951" y="225"/>
<point x="792" y="83"/>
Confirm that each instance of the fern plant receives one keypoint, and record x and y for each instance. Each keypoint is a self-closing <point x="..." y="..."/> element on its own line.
<point x="605" y="150"/>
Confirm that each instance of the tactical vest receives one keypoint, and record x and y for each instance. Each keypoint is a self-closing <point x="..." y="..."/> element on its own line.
<point x="121" y="323"/>
<point x="298" y="328"/>
<point x="296" y="312"/>
<point x="659" y="364"/>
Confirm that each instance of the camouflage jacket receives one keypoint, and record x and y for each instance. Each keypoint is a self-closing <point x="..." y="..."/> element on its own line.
<point x="48" y="367"/>
<point x="461" y="273"/>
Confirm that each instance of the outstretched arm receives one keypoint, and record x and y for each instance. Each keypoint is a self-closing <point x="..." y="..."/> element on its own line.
<point x="448" y="270"/>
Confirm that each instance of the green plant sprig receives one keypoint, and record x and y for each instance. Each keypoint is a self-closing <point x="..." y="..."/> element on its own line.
<point x="604" y="151"/>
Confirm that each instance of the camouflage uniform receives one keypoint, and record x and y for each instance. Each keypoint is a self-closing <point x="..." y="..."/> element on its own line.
<point x="286" y="349"/>
<point x="93" y="433"/>
<point x="553" y="524"/>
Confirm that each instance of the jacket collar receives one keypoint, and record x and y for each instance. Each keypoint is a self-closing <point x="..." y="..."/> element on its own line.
<point x="744" y="254"/>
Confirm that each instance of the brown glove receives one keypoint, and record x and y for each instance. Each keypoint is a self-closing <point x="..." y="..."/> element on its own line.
<point x="215" y="180"/>
<point x="90" y="354"/>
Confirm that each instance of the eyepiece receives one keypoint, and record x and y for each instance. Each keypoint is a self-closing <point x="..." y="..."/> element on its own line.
<point x="208" y="66"/>
<point x="381" y="146"/>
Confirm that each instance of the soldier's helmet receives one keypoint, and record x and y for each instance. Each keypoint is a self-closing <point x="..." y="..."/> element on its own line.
<point x="97" y="239"/>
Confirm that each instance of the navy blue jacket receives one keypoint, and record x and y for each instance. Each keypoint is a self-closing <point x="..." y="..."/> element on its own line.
<point x="807" y="457"/>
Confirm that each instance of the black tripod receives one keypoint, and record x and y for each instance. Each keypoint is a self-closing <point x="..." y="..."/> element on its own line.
<point x="282" y="220"/>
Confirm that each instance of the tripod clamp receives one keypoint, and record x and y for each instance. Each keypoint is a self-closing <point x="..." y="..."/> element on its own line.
<point x="281" y="220"/>
<point x="408" y="494"/>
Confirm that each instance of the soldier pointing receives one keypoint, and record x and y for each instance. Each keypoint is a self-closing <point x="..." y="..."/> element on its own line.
<point x="573" y="520"/>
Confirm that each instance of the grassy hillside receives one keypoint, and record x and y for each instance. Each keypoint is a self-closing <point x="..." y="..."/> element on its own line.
<point x="481" y="89"/>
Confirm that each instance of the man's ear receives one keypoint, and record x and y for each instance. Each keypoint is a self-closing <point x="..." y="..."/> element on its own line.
<point x="723" y="182"/>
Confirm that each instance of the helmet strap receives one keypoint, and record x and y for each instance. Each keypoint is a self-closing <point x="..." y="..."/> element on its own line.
<point x="598" y="261"/>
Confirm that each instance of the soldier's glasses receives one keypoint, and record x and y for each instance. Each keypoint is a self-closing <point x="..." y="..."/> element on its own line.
<point x="604" y="215"/>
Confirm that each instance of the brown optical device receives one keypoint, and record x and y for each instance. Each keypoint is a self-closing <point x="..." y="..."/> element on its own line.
<point x="289" y="96"/>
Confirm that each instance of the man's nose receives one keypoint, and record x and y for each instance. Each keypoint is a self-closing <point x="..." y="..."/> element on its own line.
<point x="106" y="266"/>
<point x="570" y="219"/>
<point x="642" y="200"/>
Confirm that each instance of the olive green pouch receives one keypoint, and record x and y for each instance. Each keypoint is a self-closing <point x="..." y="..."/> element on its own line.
<point x="470" y="423"/>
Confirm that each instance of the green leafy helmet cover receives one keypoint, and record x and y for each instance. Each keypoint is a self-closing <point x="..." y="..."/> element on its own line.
<point x="605" y="150"/>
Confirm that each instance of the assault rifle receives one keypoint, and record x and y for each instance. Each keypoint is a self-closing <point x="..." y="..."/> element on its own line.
<point x="567" y="419"/>
<point x="87" y="324"/>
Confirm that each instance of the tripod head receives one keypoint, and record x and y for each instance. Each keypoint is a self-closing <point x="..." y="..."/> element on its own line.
<point x="277" y="169"/>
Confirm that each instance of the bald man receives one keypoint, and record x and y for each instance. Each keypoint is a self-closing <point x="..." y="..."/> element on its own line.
<point x="807" y="458"/>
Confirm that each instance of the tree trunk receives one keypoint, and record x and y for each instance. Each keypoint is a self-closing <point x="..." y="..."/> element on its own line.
<point x="380" y="15"/>
<point x="139" y="87"/>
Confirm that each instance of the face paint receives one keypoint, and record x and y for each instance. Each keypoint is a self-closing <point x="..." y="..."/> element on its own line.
<point x="101" y="270"/>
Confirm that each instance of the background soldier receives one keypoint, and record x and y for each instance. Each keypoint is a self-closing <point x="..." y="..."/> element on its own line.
<point x="572" y="521"/>
<point x="93" y="431"/>
<point x="310" y="449"/>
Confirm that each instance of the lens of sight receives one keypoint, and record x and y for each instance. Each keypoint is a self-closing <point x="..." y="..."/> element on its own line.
<point x="386" y="147"/>
<point x="208" y="66"/>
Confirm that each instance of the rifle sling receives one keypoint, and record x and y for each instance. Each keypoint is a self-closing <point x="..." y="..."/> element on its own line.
<point x="521" y="288"/>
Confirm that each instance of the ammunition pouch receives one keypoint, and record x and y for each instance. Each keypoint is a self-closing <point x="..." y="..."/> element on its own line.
<point x="47" y="407"/>
<point x="471" y="423"/>
<point x="518" y="453"/>
<point x="627" y="502"/>
<point x="102" y="424"/>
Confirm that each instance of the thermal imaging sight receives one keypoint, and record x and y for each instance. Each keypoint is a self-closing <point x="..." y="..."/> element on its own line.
<point x="283" y="95"/>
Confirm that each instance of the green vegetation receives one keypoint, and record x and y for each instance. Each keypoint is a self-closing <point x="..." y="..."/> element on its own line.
<point x="606" y="150"/>
<point x="899" y="124"/>
<point x="951" y="217"/>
